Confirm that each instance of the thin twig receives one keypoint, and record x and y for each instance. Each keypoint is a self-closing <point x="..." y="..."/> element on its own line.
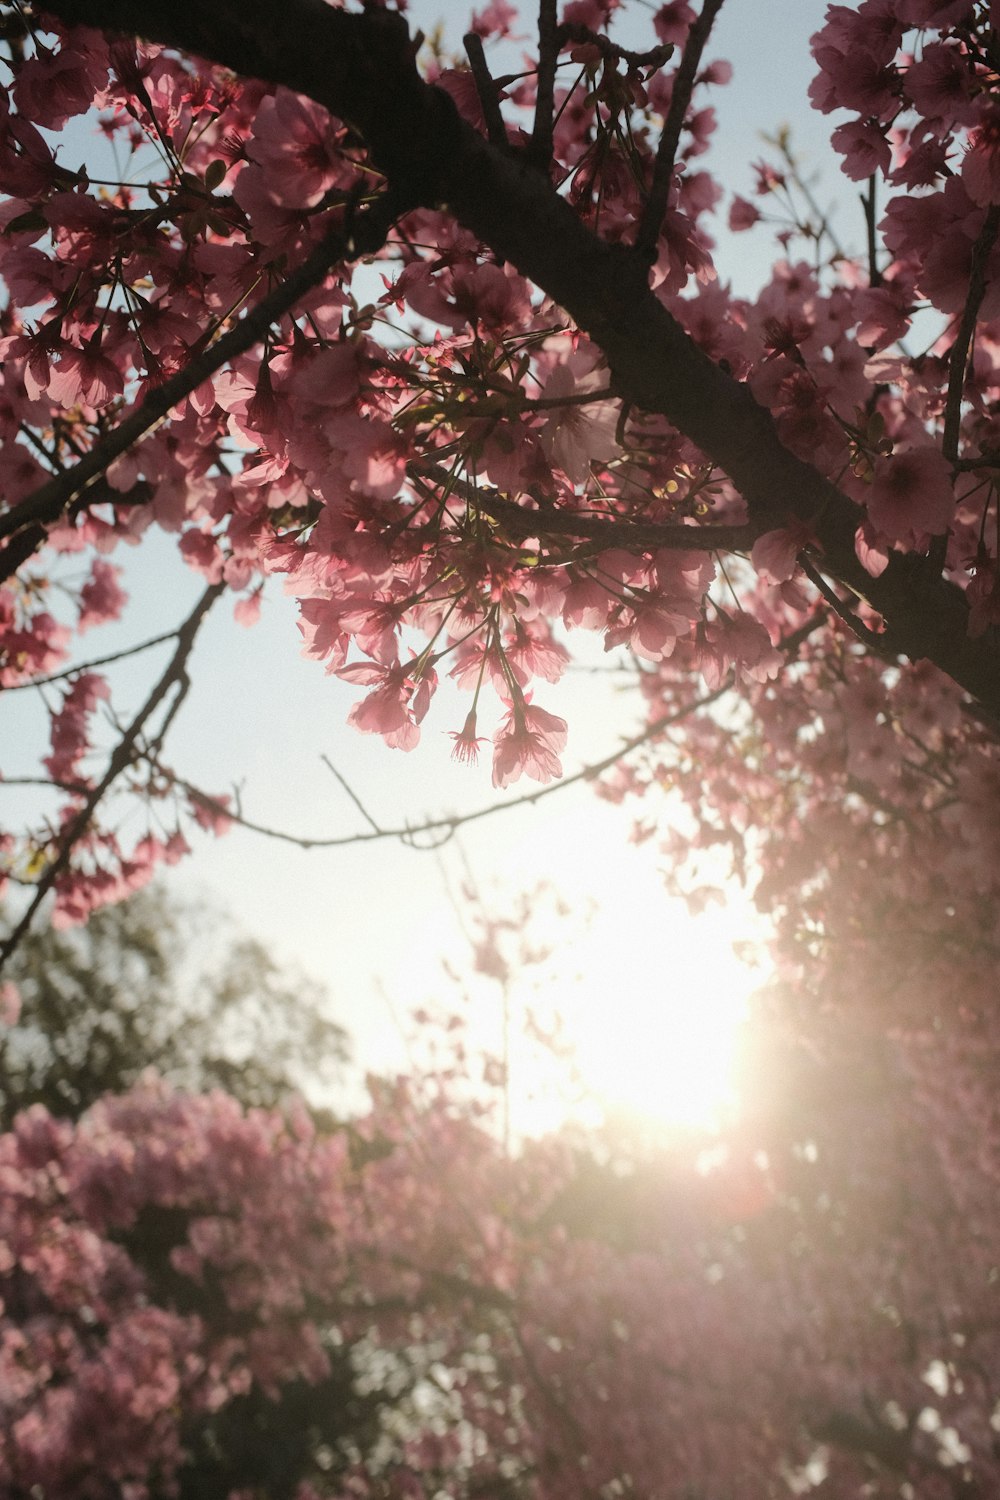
<point x="654" y="211"/>
<point x="440" y="830"/>
<point x="959" y="360"/>
<point x="74" y="788"/>
<point x="551" y="40"/>
<point x="121" y="758"/>
<point x="444" y="828"/>
<point x="88" y="666"/>
<point x="583" y="36"/>
<point x="844" y="612"/>
<point x="486" y="88"/>
<point x="351" y="793"/>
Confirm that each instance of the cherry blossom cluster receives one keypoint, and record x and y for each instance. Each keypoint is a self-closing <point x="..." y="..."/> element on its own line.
<point x="426" y="449"/>
<point x="808" y="1303"/>
<point x="348" y="453"/>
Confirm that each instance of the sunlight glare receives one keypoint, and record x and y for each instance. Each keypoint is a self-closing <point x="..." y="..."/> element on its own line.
<point x="656" y="1029"/>
<point x="630" y="1009"/>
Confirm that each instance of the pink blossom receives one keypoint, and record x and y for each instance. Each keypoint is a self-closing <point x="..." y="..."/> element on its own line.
<point x="775" y="553"/>
<point x="376" y="462"/>
<point x="938" y="233"/>
<point x="200" y="550"/>
<point x="873" y="27"/>
<point x="246" y="610"/>
<point x="466" y="746"/>
<point x="884" y="313"/>
<point x="652" y="627"/>
<point x="921" y="160"/>
<point x="528" y="742"/>
<point x="981" y="163"/>
<point x="293" y="144"/>
<point x="101" y="598"/>
<point x="854" y="79"/>
<point x="495" y="18"/>
<point x="940" y="84"/>
<point x="322" y="629"/>
<point x="911" y="494"/>
<point x="593" y="13"/>
<point x="69" y="728"/>
<point x="742" y="214"/>
<point x="534" y="653"/>
<point x="210" y="812"/>
<point x="871" y="549"/>
<point x="586" y="602"/>
<point x="741" y="643"/>
<point x="10" y="1003"/>
<point x="492" y="297"/>
<point x="51" y="87"/>
<point x="33" y="648"/>
<point x="460" y="85"/>
<point x="673" y="21"/>
<point x="326" y="378"/>
<point x="574" y="437"/>
<point x="28" y="168"/>
<point x="85" y="375"/>
<point x="863" y="145"/>
<point x="395" y="707"/>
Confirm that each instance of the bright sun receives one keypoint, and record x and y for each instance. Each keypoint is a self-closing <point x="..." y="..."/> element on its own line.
<point x="647" y="1003"/>
<point x="656" y="1034"/>
<point x="652" y="1007"/>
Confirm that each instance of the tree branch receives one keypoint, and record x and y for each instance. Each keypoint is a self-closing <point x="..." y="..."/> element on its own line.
<point x="26" y="521"/>
<point x="362" y="68"/>
<point x="440" y="830"/>
<point x="486" y="89"/>
<point x="540" y="149"/>
<point x="608" y="531"/>
<point x="958" y="362"/>
<point x="121" y="758"/>
<point x="88" y="666"/>
<point x="647" y="240"/>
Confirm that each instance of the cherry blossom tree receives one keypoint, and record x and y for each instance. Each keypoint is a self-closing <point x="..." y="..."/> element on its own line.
<point x="154" y="983"/>
<point x="207" y="1302"/>
<point x="445" y="349"/>
<point x="440" y="343"/>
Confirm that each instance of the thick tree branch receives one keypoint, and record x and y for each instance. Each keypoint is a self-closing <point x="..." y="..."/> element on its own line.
<point x="362" y="69"/>
<point x="548" y="56"/>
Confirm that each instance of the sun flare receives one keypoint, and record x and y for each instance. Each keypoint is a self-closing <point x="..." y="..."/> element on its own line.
<point x="650" y="1030"/>
<point x="595" y="996"/>
<point x="657" y="1035"/>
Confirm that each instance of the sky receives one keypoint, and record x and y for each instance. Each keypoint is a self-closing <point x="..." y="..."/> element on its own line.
<point x="373" y="921"/>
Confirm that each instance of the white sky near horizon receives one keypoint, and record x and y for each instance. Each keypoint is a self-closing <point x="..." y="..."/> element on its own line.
<point x="374" y="920"/>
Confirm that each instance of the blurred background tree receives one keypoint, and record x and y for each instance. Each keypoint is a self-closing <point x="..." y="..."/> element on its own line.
<point x="156" y="983"/>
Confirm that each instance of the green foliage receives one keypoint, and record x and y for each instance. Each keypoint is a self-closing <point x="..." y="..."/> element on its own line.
<point x="151" y="983"/>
